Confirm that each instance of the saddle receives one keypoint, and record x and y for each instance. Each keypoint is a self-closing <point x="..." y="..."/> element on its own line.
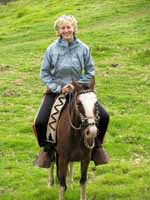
<point x="54" y="117"/>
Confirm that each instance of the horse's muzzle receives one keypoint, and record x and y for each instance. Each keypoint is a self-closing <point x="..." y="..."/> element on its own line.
<point x="90" y="132"/>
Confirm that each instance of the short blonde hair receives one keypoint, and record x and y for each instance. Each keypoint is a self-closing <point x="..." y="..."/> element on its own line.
<point x="63" y="20"/>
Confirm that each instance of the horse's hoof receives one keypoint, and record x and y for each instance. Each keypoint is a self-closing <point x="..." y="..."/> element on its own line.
<point x="50" y="183"/>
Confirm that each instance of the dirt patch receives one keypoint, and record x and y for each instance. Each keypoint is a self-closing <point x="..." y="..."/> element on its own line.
<point x="4" y="68"/>
<point x="11" y="93"/>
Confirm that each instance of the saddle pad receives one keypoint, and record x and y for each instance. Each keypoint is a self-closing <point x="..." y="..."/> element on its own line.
<point x="54" y="116"/>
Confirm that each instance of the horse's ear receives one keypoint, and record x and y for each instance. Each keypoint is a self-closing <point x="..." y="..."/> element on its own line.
<point x="91" y="83"/>
<point x="77" y="85"/>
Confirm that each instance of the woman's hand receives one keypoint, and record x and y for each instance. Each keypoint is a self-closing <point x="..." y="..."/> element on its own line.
<point x="67" y="88"/>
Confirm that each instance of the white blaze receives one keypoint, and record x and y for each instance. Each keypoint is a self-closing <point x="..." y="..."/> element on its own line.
<point x="88" y="101"/>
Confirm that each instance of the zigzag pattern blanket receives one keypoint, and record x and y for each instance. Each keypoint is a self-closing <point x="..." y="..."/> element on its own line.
<point x="54" y="116"/>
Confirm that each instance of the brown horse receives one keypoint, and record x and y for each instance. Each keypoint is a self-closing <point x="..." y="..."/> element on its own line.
<point x="76" y="132"/>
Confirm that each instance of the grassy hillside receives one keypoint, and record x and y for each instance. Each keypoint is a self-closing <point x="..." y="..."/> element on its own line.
<point x="118" y="33"/>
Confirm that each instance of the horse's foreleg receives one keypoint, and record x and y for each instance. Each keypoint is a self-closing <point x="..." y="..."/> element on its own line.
<point x="51" y="175"/>
<point x="84" y="168"/>
<point x="70" y="173"/>
<point x="62" y="173"/>
<point x="83" y="191"/>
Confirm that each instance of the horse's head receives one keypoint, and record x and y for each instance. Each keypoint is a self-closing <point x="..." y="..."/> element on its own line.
<point x="86" y="107"/>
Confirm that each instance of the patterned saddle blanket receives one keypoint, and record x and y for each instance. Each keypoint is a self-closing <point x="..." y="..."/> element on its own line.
<point x="54" y="117"/>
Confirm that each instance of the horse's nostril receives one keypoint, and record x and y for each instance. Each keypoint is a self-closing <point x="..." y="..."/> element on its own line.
<point x="88" y="132"/>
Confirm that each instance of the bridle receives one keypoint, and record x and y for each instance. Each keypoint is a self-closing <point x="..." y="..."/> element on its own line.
<point x="84" y="120"/>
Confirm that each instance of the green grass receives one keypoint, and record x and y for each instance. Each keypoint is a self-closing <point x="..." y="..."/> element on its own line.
<point x="118" y="34"/>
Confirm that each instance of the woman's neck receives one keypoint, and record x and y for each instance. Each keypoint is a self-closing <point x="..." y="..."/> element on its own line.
<point x="69" y="40"/>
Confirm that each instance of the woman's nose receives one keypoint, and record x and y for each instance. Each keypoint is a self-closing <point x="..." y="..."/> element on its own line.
<point x="66" y="30"/>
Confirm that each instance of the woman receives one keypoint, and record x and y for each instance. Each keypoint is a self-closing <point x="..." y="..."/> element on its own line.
<point x="64" y="61"/>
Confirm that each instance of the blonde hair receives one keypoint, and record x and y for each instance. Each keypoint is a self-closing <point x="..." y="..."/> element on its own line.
<point x="63" y="20"/>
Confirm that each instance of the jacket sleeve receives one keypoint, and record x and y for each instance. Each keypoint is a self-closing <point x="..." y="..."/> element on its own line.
<point x="89" y="70"/>
<point x="46" y="75"/>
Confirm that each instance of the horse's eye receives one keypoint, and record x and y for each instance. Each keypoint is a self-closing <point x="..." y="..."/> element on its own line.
<point x="95" y="108"/>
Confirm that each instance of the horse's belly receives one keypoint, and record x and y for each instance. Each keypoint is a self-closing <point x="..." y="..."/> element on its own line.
<point x="77" y="155"/>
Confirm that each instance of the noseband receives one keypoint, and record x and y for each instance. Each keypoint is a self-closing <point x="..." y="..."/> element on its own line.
<point x="84" y="120"/>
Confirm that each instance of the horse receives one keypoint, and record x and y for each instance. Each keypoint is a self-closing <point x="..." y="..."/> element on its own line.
<point x="76" y="133"/>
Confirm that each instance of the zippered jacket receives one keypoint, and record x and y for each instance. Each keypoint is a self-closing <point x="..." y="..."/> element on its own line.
<point x="63" y="63"/>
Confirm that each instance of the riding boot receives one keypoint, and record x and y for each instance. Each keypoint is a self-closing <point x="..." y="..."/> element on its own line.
<point x="43" y="160"/>
<point x="45" y="157"/>
<point x="99" y="156"/>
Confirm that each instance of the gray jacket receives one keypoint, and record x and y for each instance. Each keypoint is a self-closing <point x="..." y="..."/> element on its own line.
<point x="63" y="63"/>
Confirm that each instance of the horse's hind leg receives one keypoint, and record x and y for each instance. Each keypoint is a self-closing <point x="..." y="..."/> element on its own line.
<point x="51" y="175"/>
<point x="62" y="173"/>
<point x="84" y="168"/>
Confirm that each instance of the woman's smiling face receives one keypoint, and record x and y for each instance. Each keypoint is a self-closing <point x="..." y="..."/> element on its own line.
<point x="66" y="31"/>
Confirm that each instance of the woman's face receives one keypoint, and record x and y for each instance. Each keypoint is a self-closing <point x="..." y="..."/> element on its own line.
<point x="66" y="31"/>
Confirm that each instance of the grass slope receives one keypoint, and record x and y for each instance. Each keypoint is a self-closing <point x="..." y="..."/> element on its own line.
<point x="118" y="33"/>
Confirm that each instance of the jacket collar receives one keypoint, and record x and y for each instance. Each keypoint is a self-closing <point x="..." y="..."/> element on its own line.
<point x="63" y="43"/>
